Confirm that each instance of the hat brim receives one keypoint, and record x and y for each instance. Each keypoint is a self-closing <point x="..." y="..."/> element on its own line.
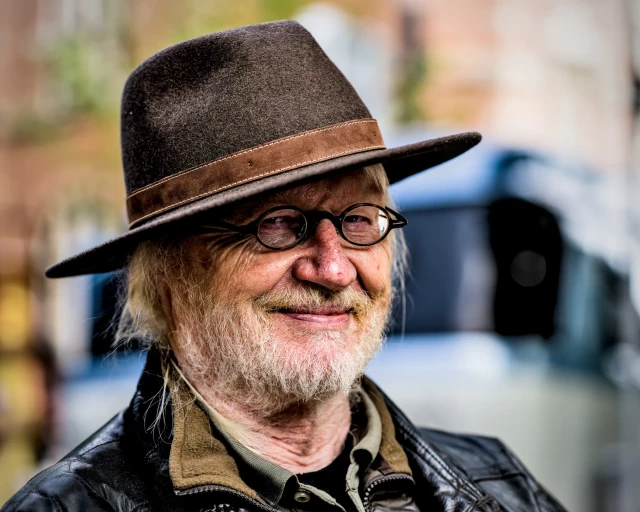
<point x="399" y="163"/>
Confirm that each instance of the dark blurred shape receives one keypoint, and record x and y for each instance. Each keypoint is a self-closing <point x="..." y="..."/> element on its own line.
<point x="509" y="252"/>
<point x="438" y="240"/>
<point x="107" y="306"/>
<point x="636" y="94"/>
<point x="527" y="249"/>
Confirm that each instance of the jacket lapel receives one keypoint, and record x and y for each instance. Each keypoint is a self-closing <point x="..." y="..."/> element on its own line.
<point x="434" y="475"/>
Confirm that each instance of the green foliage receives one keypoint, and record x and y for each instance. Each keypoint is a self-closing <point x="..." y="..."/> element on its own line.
<point x="410" y="87"/>
<point x="79" y="73"/>
<point x="280" y="9"/>
<point x="27" y="128"/>
<point x="195" y="17"/>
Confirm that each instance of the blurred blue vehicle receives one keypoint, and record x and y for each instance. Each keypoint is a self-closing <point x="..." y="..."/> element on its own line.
<point x="499" y="243"/>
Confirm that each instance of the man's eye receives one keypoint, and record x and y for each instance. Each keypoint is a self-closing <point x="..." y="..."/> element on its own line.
<point x="279" y="221"/>
<point x="356" y="220"/>
<point x="282" y="223"/>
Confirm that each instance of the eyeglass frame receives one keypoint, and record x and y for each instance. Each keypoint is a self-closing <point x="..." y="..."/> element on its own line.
<point x="312" y="218"/>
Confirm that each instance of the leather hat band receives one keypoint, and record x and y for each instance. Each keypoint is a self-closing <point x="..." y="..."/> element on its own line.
<point x="252" y="164"/>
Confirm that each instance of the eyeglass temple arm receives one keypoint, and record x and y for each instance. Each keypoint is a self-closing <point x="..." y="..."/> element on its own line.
<point x="398" y="222"/>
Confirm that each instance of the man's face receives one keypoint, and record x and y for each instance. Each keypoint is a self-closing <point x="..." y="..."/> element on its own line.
<point x="297" y="324"/>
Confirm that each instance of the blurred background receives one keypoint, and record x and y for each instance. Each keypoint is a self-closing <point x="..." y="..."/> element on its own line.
<point x="521" y="317"/>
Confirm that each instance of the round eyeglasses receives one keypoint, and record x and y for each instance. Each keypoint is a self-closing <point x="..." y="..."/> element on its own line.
<point x="283" y="227"/>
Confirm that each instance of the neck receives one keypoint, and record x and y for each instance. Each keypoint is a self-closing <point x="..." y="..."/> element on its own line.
<point x="303" y="437"/>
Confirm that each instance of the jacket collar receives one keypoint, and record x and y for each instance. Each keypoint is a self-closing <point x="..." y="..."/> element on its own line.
<point x="433" y="469"/>
<point x="199" y="456"/>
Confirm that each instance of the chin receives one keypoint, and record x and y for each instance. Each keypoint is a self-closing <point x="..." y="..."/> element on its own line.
<point x="320" y="345"/>
<point x="320" y="364"/>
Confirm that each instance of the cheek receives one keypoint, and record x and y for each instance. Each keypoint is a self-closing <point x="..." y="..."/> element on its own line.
<point x="374" y="268"/>
<point x="250" y="275"/>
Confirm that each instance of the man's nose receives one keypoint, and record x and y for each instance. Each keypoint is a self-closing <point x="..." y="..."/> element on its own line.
<point x="326" y="263"/>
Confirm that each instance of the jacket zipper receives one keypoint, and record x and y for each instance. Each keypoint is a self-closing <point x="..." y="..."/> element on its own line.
<point x="219" y="488"/>
<point x="366" y="503"/>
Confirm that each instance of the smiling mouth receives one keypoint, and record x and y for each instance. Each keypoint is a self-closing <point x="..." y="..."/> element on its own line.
<point x="324" y="317"/>
<point x="322" y="311"/>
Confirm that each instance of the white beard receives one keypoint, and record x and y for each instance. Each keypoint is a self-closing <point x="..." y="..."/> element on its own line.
<point x="230" y="347"/>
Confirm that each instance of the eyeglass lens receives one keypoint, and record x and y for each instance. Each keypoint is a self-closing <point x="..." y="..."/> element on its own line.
<point x="363" y="225"/>
<point x="282" y="228"/>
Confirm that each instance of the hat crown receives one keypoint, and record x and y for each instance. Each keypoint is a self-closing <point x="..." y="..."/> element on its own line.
<point x="215" y="95"/>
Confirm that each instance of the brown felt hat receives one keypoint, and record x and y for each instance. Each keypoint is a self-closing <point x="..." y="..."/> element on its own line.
<point x="229" y="115"/>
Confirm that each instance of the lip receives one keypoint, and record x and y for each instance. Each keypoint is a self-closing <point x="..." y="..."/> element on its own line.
<point x="325" y="317"/>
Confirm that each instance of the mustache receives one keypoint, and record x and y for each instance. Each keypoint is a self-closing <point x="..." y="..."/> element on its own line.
<point x="353" y="301"/>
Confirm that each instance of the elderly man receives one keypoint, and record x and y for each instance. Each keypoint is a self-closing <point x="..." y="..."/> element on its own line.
<point x="262" y="258"/>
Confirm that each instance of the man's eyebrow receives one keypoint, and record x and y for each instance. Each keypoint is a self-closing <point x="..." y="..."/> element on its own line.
<point x="245" y="213"/>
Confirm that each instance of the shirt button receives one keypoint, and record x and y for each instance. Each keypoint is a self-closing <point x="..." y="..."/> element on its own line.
<point x="302" y="496"/>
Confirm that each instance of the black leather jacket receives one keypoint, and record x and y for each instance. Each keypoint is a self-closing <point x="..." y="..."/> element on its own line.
<point x="125" y="467"/>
